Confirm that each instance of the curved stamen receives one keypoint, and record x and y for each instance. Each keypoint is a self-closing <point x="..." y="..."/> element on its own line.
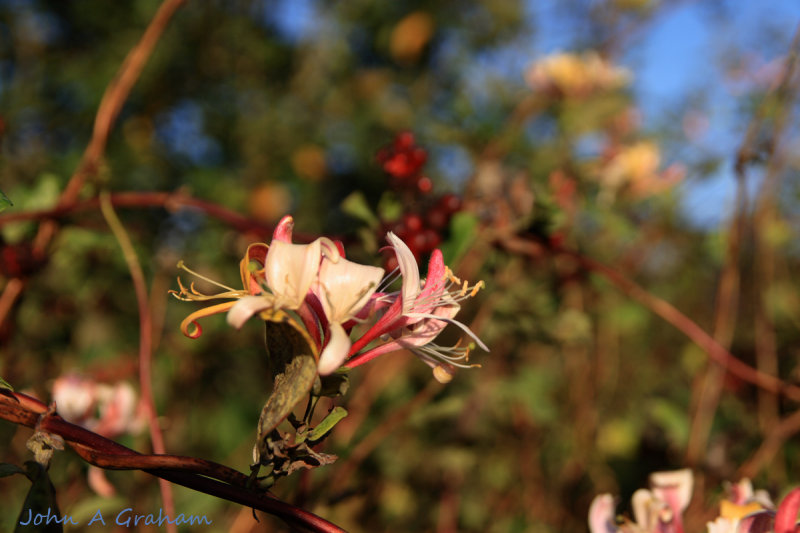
<point x="182" y="266"/>
<point x="451" y="321"/>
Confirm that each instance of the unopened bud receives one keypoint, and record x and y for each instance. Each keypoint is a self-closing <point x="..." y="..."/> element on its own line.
<point x="443" y="373"/>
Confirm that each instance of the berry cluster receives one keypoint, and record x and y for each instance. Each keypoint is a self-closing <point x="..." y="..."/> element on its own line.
<point x="427" y="217"/>
<point x="423" y="233"/>
<point x="403" y="161"/>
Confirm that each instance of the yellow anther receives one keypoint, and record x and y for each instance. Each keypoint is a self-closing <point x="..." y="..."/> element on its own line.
<point x="478" y="286"/>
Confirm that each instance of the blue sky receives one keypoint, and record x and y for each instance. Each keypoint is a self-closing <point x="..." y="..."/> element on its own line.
<point x="673" y="58"/>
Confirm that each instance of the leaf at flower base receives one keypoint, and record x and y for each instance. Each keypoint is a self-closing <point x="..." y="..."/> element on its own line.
<point x="284" y="338"/>
<point x="292" y="358"/>
<point x="289" y="388"/>
<point x="4" y="202"/>
<point x="41" y="500"/>
<point x="305" y="457"/>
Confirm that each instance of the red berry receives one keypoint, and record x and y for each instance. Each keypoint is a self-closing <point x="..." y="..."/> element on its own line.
<point x="419" y="155"/>
<point x="437" y="218"/>
<point x="417" y="243"/>
<point x="412" y="221"/>
<point x="404" y="140"/>
<point x="424" y="184"/>
<point x="432" y="239"/>
<point x="450" y="203"/>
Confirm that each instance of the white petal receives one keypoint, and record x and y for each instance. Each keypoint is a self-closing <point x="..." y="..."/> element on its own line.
<point x="408" y="270"/>
<point x="335" y="352"/>
<point x="673" y="488"/>
<point x="290" y="269"/>
<point x="245" y="308"/>
<point x="345" y="287"/>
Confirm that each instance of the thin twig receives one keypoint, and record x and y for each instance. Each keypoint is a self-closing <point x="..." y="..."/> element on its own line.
<point x="708" y="386"/>
<point x="166" y="200"/>
<point x="771" y="445"/>
<point x="673" y="316"/>
<point x="765" y="217"/>
<point x="110" y="105"/>
<point x="145" y="343"/>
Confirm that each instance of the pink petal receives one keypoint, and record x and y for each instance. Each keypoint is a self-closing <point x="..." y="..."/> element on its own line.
<point x="786" y="518"/>
<point x="392" y="319"/>
<point x="674" y="488"/>
<point x="290" y="269"/>
<point x="283" y="231"/>
<point x="601" y="514"/>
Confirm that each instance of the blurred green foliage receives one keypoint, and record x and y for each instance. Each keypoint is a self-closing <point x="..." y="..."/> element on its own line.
<point x="584" y="390"/>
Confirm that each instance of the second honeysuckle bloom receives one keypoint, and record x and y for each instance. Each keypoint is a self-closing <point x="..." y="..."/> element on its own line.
<point x="658" y="510"/>
<point x="417" y="314"/>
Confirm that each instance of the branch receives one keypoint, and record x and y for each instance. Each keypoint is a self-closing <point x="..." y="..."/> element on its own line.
<point x="110" y="105"/>
<point x="197" y="474"/>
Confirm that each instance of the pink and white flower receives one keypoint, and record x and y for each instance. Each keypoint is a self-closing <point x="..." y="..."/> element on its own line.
<point x="332" y="295"/>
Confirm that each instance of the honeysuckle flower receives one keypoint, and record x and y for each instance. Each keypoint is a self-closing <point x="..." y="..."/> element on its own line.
<point x="575" y="75"/>
<point x="418" y="313"/>
<point x="332" y="295"/>
<point x="737" y="511"/>
<point x="658" y="510"/>
<point x="109" y="410"/>
<point x="601" y="514"/>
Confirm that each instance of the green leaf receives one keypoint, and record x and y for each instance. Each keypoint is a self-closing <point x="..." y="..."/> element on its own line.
<point x="5" y="385"/>
<point x="356" y="206"/>
<point x="292" y="359"/>
<point x="327" y="424"/>
<point x="4" y="202"/>
<point x="40" y="502"/>
<point x="290" y="387"/>
<point x="463" y="230"/>
<point x="389" y="207"/>
<point x="8" y="469"/>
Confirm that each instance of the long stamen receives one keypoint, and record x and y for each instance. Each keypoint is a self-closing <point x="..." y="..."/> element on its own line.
<point x="451" y="321"/>
<point x="182" y="266"/>
<point x="193" y="295"/>
<point x="388" y="279"/>
<point x="432" y="351"/>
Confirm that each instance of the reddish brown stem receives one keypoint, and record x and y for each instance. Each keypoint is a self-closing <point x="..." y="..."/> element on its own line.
<point x="197" y="474"/>
<point x="166" y="200"/>
<point x="145" y="344"/>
